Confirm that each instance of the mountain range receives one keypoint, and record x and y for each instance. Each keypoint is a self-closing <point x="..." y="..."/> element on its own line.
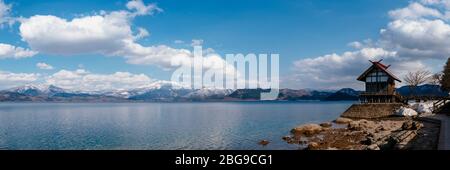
<point x="165" y="92"/>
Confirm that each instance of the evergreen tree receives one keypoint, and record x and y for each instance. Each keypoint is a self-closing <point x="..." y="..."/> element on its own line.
<point x="445" y="82"/>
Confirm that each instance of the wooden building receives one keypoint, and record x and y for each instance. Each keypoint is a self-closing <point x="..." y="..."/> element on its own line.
<point x="380" y="84"/>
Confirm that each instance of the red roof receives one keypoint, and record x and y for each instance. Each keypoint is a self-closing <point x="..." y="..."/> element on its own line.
<point x="382" y="67"/>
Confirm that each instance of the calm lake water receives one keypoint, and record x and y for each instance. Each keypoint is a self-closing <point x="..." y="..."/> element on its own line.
<point x="232" y="125"/>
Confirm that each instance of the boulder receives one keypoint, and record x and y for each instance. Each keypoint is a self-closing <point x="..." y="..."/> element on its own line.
<point x="373" y="147"/>
<point x="326" y="124"/>
<point x="368" y="141"/>
<point x="313" y="145"/>
<point x="404" y="111"/>
<point x="362" y="125"/>
<point x="342" y="120"/>
<point x="307" y="130"/>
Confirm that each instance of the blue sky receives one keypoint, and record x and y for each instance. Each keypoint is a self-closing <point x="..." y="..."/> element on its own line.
<point x="296" y="30"/>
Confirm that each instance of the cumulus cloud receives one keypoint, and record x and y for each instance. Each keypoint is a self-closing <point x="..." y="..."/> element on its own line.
<point x="444" y="3"/>
<point x="337" y="70"/>
<point x="78" y="80"/>
<point x="91" y="34"/>
<point x="414" y="10"/>
<point x="44" y="66"/>
<point x="83" y="80"/>
<point x="418" y="39"/>
<point x="417" y="33"/>
<point x="108" y="33"/>
<point x="9" y="79"/>
<point x="10" y="51"/>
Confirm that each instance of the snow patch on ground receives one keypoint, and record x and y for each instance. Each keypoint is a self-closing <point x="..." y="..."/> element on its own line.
<point x="422" y="107"/>
<point x="404" y="111"/>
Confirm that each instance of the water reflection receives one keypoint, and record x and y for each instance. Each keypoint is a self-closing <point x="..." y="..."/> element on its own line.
<point x="157" y="125"/>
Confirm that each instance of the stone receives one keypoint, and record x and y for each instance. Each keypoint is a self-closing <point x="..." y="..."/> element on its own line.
<point x="342" y="120"/>
<point x="326" y="124"/>
<point x="264" y="142"/>
<point x="313" y="145"/>
<point x="361" y="125"/>
<point x="368" y="141"/>
<point x="307" y="130"/>
<point x="417" y="125"/>
<point x="373" y="147"/>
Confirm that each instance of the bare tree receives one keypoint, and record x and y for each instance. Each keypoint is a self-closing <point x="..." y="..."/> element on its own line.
<point x="436" y="79"/>
<point x="416" y="78"/>
<point x="445" y="81"/>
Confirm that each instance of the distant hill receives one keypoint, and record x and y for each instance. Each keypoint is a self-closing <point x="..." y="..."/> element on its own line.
<point x="163" y="92"/>
<point x="344" y="94"/>
<point x="424" y="90"/>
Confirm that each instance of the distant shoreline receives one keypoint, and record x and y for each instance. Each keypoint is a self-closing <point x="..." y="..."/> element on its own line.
<point x="143" y="102"/>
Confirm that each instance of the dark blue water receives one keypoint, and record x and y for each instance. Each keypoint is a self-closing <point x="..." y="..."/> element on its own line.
<point x="235" y="125"/>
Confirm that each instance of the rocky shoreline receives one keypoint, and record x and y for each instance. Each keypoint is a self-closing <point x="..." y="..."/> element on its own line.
<point x="360" y="134"/>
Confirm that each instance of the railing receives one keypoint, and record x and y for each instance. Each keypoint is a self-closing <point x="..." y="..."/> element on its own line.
<point x="438" y="105"/>
<point x="440" y="100"/>
<point x="426" y="97"/>
<point x="380" y="97"/>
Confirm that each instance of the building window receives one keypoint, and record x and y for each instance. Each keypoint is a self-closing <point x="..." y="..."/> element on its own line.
<point x="377" y="82"/>
<point x="377" y="76"/>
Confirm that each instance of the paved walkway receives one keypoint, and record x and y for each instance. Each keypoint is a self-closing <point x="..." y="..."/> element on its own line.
<point x="444" y="137"/>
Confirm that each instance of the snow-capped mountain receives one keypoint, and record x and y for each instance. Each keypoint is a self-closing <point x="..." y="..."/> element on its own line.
<point x="164" y="91"/>
<point x="156" y="89"/>
<point x="209" y="93"/>
<point x="36" y="90"/>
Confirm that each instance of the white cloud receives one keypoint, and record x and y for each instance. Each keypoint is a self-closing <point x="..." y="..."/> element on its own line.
<point x="108" y="34"/>
<point x="4" y="12"/>
<point x="178" y="42"/>
<point x="355" y="44"/>
<point x="85" y="81"/>
<point x="418" y="39"/>
<point x="336" y="71"/>
<point x="141" y="9"/>
<point x="161" y="55"/>
<point x="44" y="66"/>
<point x="413" y="11"/>
<point x="78" y="80"/>
<point x="10" y="51"/>
<point x="417" y="34"/>
<point x="444" y="3"/>
<point x="9" y="79"/>
<point x="142" y="33"/>
<point x="197" y="42"/>
<point x="91" y="34"/>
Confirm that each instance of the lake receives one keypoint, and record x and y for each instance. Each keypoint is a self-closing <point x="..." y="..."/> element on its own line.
<point x="205" y="126"/>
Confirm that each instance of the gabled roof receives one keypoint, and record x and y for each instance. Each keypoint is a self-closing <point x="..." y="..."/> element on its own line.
<point x="382" y="67"/>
